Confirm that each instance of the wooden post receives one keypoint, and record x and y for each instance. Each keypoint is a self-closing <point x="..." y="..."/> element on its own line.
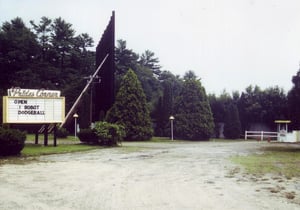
<point x="54" y="135"/>
<point x="36" y="137"/>
<point x="46" y="136"/>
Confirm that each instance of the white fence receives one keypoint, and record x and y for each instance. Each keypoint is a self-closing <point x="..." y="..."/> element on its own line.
<point x="260" y="135"/>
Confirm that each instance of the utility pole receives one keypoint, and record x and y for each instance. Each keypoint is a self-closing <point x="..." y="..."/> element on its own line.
<point x="98" y="80"/>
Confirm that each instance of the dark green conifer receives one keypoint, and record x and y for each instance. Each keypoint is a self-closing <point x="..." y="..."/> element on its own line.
<point x="232" y="127"/>
<point x="193" y="116"/>
<point x="131" y="110"/>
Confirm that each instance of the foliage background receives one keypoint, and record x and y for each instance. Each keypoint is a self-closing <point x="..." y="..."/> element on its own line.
<point x="49" y="54"/>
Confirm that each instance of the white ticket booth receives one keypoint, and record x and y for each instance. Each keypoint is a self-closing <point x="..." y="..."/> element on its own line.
<point x="283" y="134"/>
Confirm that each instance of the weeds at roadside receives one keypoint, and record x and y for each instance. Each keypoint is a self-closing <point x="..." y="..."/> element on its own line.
<point x="275" y="165"/>
<point x="280" y="161"/>
<point x="233" y="172"/>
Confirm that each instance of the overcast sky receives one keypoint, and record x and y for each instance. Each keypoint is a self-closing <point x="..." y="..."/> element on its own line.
<point x="229" y="44"/>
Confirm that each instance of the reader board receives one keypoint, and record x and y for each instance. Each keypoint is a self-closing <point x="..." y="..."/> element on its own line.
<point x="33" y="110"/>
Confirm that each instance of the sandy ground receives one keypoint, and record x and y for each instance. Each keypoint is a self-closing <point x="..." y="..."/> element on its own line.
<point x="145" y="176"/>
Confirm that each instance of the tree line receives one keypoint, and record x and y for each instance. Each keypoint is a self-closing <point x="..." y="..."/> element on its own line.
<point x="49" y="54"/>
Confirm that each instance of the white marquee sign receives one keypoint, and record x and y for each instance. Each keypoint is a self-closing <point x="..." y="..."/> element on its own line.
<point x="33" y="106"/>
<point x="18" y="92"/>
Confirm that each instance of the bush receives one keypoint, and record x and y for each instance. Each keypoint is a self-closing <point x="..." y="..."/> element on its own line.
<point x="88" y="136"/>
<point x="108" y="133"/>
<point x="12" y="141"/>
<point x="62" y="133"/>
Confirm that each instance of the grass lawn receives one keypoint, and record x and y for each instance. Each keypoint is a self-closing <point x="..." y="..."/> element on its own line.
<point x="32" y="150"/>
<point x="31" y="138"/>
<point x="36" y="150"/>
<point x="70" y="144"/>
<point x="281" y="160"/>
<point x="64" y="145"/>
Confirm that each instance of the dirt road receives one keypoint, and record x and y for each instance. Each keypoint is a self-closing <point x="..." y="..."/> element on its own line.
<point x="144" y="176"/>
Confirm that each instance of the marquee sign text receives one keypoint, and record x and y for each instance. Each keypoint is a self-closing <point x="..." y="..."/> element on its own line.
<point x="18" y="92"/>
<point x="27" y="106"/>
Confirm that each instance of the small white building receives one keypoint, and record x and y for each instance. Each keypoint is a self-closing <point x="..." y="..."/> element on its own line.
<point x="284" y="135"/>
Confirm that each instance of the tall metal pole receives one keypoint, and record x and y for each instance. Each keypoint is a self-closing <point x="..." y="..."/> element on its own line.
<point x="75" y="126"/>
<point x="172" y="137"/>
<point x="172" y="119"/>
<point x="75" y="129"/>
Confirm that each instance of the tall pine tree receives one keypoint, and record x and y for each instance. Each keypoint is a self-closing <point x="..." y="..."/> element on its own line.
<point x="294" y="101"/>
<point x="131" y="110"/>
<point x="193" y="116"/>
<point x="232" y="127"/>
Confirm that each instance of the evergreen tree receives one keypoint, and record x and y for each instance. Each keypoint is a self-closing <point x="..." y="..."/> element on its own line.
<point x="42" y="32"/>
<point x="147" y="59"/>
<point x="171" y="86"/>
<point x="18" y="52"/>
<point x="232" y="127"/>
<point x="162" y="113"/>
<point x="146" y="68"/>
<point x="218" y="107"/>
<point x="193" y="116"/>
<point x="294" y="101"/>
<point x="130" y="109"/>
<point x="249" y="106"/>
<point x="62" y="39"/>
<point x="150" y="85"/>
<point x="125" y="58"/>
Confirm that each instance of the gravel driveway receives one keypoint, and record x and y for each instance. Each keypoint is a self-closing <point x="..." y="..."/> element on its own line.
<point x="173" y="175"/>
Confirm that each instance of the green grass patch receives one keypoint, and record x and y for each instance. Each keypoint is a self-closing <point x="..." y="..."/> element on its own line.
<point x="160" y="139"/>
<point x="226" y="140"/>
<point x="31" y="151"/>
<point x="278" y="160"/>
<point x="31" y="138"/>
<point x="37" y="150"/>
<point x="167" y="139"/>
